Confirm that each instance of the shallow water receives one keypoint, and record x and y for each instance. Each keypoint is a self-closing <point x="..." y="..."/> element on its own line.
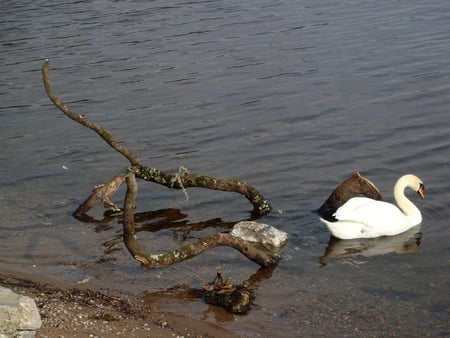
<point x="290" y="96"/>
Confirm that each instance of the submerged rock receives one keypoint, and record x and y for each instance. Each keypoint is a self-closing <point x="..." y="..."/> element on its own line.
<point x="261" y="233"/>
<point x="19" y="316"/>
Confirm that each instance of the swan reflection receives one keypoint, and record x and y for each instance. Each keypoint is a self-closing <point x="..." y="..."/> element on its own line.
<point x="405" y="242"/>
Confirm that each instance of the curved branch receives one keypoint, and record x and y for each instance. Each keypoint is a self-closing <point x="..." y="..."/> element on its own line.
<point x="261" y="206"/>
<point x="187" y="251"/>
<point x="104" y="134"/>
<point x="105" y="191"/>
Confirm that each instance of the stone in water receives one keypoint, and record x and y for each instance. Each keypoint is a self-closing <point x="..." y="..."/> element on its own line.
<point x="264" y="234"/>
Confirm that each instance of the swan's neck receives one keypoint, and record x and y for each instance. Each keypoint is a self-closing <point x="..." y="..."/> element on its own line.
<point x="408" y="207"/>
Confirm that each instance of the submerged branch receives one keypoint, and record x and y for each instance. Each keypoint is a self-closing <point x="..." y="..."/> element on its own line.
<point x="187" y="251"/>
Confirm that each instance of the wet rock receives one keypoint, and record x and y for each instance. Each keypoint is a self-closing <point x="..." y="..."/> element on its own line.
<point x="19" y="316"/>
<point x="261" y="233"/>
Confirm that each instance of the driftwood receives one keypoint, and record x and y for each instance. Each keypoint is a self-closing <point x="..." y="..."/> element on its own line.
<point x="235" y="298"/>
<point x="181" y="180"/>
<point x="222" y="292"/>
<point x="187" y="251"/>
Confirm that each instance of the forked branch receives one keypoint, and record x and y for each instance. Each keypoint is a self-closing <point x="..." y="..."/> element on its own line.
<point x="182" y="180"/>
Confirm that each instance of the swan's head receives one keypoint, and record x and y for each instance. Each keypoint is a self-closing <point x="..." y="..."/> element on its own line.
<point x="414" y="183"/>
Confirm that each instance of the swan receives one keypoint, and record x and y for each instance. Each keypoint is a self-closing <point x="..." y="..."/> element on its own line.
<point x="363" y="217"/>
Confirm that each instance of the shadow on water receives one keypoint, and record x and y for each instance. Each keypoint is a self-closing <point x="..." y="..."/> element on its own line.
<point x="156" y="220"/>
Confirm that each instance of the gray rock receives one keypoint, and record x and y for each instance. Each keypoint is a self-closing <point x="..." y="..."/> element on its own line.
<point x="19" y="315"/>
<point x="265" y="234"/>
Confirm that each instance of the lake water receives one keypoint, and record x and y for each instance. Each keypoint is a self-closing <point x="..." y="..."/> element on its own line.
<point x="291" y="96"/>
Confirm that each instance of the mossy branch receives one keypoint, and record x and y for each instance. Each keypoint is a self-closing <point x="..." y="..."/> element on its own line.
<point x="187" y="251"/>
<point x="188" y="180"/>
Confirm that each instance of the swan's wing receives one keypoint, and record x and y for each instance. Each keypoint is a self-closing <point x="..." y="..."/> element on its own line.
<point x="353" y="207"/>
<point x="370" y="212"/>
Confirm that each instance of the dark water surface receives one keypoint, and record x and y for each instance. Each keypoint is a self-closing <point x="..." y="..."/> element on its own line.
<point x="291" y="96"/>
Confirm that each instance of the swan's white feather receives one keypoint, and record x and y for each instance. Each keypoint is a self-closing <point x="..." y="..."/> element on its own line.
<point x="364" y="217"/>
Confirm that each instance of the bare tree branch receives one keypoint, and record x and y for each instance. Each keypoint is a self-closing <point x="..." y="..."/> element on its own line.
<point x="104" y="192"/>
<point x="104" y="134"/>
<point x="188" y="180"/>
<point x="181" y="180"/>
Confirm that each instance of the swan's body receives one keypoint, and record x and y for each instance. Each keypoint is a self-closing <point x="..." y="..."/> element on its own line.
<point x="362" y="217"/>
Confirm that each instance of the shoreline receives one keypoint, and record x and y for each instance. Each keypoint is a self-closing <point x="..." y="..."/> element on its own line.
<point x="68" y="310"/>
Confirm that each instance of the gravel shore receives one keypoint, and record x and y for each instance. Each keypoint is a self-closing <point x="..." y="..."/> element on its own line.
<point x="77" y="312"/>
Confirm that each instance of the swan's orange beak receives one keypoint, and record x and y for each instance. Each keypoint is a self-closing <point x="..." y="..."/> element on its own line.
<point x="421" y="190"/>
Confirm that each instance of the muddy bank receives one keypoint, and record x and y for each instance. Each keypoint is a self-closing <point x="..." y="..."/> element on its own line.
<point x="68" y="311"/>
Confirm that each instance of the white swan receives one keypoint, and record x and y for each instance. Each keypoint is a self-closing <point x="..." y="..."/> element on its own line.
<point x="362" y="217"/>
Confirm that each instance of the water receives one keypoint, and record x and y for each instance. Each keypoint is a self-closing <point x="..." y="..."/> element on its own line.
<point x="290" y="96"/>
